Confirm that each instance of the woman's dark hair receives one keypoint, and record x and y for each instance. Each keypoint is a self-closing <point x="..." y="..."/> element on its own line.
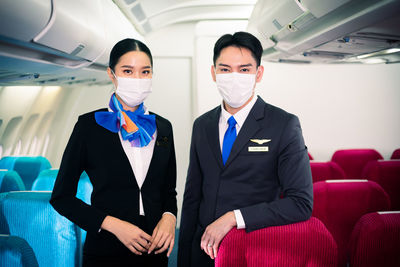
<point x="125" y="46"/>
<point x="239" y="39"/>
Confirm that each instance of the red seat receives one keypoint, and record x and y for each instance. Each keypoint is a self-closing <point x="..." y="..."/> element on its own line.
<point x="387" y="174"/>
<point x="306" y="243"/>
<point x="329" y="170"/>
<point x="396" y="154"/>
<point x="339" y="204"/>
<point x="353" y="161"/>
<point x="309" y="156"/>
<point x="375" y="240"/>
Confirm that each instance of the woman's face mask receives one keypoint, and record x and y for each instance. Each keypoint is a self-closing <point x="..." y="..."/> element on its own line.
<point x="132" y="91"/>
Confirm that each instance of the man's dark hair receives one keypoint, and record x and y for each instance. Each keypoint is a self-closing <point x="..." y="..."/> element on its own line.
<point x="239" y="39"/>
<point x="125" y="46"/>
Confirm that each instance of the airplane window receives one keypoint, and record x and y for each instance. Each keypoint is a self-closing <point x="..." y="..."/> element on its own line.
<point x="9" y="135"/>
<point x="41" y="133"/>
<point x="17" y="150"/>
<point x="32" y="147"/>
<point x="28" y="132"/>
<point x="46" y="144"/>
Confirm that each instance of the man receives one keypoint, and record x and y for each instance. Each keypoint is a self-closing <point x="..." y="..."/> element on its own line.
<point x="249" y="166"/>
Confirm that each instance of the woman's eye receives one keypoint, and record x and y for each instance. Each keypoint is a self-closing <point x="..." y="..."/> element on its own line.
<point x="146" y="72"/>
<point x="127" y="71"/>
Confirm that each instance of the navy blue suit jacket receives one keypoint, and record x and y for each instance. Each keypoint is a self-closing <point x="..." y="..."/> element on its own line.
<point x="250" y="181"/>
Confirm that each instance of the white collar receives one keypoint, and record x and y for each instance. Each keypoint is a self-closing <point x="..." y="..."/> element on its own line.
<point x="239" y="116"/>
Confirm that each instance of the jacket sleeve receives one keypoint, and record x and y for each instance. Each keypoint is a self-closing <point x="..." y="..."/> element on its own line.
<point x="170" y="199"/>
<point x="191" y="203"/>
<point x="63" y="198"/>
<point x="294" y="176"/>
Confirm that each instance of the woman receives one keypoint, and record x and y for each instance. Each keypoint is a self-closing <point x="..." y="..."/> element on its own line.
<point x="130" y="158"/>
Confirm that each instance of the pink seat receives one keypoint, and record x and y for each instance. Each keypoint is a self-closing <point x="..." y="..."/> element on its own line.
<point x="375" y="241"/>
<point x="329" y="170"/>
<point x="339" y="204"/>
<point x="387" y="174"/>
<point x="306" y="243"/>
<point x="396" y="154"/>
<point x="353" y="161"/>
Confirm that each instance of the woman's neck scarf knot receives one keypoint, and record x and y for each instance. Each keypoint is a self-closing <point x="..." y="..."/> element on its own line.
<point x="136" y="127"/>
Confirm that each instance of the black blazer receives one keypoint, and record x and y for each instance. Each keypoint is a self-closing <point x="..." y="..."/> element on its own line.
<point x="99" y="152"/>
<point x="251" y="181"/>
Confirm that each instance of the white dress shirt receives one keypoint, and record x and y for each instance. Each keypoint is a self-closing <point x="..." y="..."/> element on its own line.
<point x="140" y="158"/>
<point x="223" y="125"/>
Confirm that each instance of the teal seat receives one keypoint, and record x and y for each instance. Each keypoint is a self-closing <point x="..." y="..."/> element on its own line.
<point x="8" y="162"/>
<point x="16" y="252"/>
<point x="173" y="258"/>
<point x="47" y="178"/>
<point x="55" y="240"/>
<point x="10" y="181"/>
<point x="29" y="168"/>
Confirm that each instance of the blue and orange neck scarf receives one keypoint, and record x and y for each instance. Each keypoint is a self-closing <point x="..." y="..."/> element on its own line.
<point x="136" y="127"/>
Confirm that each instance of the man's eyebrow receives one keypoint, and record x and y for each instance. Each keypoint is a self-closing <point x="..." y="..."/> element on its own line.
<point x="246" y="65"/>
<point x="223" y="65"/>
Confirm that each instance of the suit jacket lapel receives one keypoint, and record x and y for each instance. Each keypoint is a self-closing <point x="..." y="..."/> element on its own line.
<point x="212" y="131"/>
<point x="249" y="128"/>
<point x="161" y="135"/>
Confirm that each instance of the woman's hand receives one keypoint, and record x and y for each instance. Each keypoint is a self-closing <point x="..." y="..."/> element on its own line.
<point x="163" y="235"/>
<point x="134" y="238"/>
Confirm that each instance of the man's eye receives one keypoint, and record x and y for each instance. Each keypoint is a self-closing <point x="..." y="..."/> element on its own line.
<point x="244" y="70"/>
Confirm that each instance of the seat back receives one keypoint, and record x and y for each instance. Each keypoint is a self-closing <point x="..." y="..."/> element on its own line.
<point x="339" y="204"/>
<point x="310" y="156"/>
<point x="310" y="245"/>
<point x="387" y="174"/>
<point x="329" y="170"/>
<point x="29" y="168"/>
<point x="47" y="179"/>
<point x="15" y="251"/>
<point x="10" y="181"/>
<point x="55" y="240"/>
<point x="396" y="154"/>
<point x="375" y="240"/>
<point x="8" y="162"/>
<point x="353" y="161"/>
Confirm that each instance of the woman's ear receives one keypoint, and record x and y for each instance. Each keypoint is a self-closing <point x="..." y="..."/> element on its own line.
<point x="111" y="76"/>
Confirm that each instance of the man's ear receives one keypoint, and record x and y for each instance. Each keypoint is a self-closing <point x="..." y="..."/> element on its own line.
<point x="260" y="73"/>
<point x="213" y="73"/>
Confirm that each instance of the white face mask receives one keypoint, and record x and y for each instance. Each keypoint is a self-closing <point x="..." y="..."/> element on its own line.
<point x="133" y="91"/>
<point x="235" y="88"/>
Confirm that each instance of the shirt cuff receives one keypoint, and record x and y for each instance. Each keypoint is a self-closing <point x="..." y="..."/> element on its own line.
<point x="167" y="212"/>
<point x="239" y="220"/>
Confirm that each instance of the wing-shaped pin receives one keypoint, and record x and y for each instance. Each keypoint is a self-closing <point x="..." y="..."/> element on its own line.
<point x="260" y="141"/>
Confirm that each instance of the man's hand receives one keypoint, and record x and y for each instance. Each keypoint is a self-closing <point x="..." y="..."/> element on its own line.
<point x="163" y="235"/>
<point x="134" y="238"/>
<point x="215" y="232"/>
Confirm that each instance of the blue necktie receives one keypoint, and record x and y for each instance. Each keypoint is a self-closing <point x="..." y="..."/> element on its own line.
<point x="229" y="139"/>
